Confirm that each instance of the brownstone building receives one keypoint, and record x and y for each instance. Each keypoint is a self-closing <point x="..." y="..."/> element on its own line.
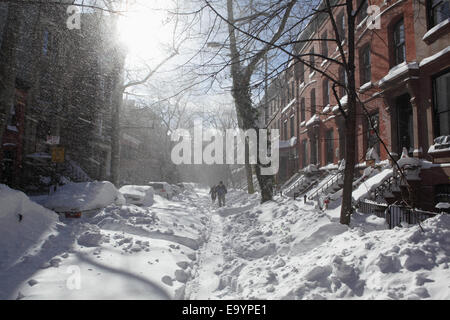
<point x="403" y="80"/>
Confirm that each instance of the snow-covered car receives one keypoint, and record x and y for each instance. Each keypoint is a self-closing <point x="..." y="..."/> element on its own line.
<point x="73" y="199"/>
<point x="176" y="189"/>
<point x="162" y="188"/>
<point x="138" y="195"/>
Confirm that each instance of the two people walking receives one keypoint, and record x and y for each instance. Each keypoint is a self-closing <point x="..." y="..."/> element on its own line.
<point x="219" y="192"/>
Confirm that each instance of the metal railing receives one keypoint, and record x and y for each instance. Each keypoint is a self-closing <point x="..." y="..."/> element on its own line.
<point x="327" y="184"/>
<point x="394" y="214"/>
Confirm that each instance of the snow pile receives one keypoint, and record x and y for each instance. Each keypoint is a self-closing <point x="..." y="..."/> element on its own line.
<point x="288" y="250"/>
<point x="371" y="184"/>
<point x="314" y="119"/>
<point x="23" y="225"/>
<point x="441" y="144"/>
<point x="397" y="71"/>
<point x="84" y="196"/>
<point x="123" y="252"/>
<point x="138" y="195"/>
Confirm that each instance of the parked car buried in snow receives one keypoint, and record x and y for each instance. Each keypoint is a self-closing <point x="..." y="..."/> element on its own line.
<point x="75" y="199"/>
<point x="162" y="188"/>
<point x="138" y="195"/>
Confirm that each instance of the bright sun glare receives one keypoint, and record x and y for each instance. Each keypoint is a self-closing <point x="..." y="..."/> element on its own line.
<point x="144" y="32"/>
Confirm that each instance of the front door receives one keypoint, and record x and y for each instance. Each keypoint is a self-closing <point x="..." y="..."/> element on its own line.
<point x="405" y="130"/>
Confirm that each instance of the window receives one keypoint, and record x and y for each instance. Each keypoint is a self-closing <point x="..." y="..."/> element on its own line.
<point x="12" y="121"/>
<point x="341" y="26"/>
<point x="324" y="44"/>
<point x="399" y="43"/>
<point x="441" y="92"/>
<point x="442" y="193"/>
<point x="302" y="110"/>
<point x="343" y="80"/>
<point x="362" y="14"/>
<point x="438" y="11"/>
<point x="45" y="45"/>
<point x="311" y="60"/>
<point x="304" y="153"/>
<point x="313" y="102"/>
<point x="292" y="126"/>
<point x="326" y="90"/>
<point x="329" y="145"/>
<point x="365" y="69"/>
<point x="300" y="72"/>
<point x="285" y="130"/>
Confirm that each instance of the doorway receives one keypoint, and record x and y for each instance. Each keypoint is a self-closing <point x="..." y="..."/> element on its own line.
<point x="405" y="125"/>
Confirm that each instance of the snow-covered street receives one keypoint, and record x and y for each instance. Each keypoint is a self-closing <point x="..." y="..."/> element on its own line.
<point x="188" y="248"/>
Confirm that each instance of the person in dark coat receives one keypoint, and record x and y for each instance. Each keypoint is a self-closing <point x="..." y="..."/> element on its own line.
<point x="213" y="193"/>
<point x="221" y="191"/>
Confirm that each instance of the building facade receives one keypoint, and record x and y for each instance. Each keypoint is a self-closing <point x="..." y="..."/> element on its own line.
<point x="70" y="75"/>
<point x="403" y="84"/>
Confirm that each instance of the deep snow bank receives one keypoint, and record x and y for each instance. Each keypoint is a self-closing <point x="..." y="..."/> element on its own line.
<point x="23" y="225"/>
<point x="84" y="196"/>
<point x="288" y="250"/>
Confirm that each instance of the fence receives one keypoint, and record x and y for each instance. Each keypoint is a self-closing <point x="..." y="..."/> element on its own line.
<point x="394" y="214"/>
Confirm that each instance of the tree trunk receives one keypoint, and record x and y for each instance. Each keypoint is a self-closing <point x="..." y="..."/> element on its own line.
<point x="350" y="123"/>
<point x="249" y="121"/>
<point x="8" y="57"/>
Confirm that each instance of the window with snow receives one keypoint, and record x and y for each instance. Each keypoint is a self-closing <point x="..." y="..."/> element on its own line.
<point x="343" y="81"/>
<point x="438" y="11"/>
<point x="313" y="102"/>
<point x="441" y="90"/>
<point x="364" y="63"/>
<point x="300" y="72"/>
<point x="324" y="44"/>
<point x="311" y="60"/>
<point x="302" y="110"/>
<point x="326" y="90"/>
<point x="399" y="43"/>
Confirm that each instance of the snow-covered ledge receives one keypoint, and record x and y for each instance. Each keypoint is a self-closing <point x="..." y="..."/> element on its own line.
<point x="438" y="30"/>
<point x="366" y="86"/>
<point x="434" y="57"/>
<point x="398" y="71"/>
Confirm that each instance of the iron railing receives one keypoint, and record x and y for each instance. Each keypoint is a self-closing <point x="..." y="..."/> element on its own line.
<point x="394" y="214"/>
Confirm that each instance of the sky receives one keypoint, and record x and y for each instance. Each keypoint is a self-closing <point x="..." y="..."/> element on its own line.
<point x="146" y="29"/>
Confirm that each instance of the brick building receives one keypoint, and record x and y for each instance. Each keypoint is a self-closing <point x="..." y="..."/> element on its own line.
<point x="71" y="75"/>
<point x="403" y="80"/>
